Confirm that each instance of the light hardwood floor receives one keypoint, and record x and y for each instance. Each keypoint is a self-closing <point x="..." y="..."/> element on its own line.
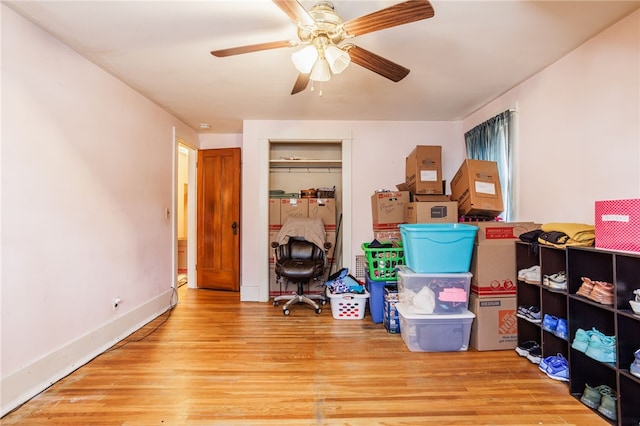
<point x="216" y="361"/>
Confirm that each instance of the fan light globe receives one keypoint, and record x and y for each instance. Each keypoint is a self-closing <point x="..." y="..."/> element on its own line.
<point x="321" y="71"/>
<point x="304" y="59"/>
<point x="338" y="59"/>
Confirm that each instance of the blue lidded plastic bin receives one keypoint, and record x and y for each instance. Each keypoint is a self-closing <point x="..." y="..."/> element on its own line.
<point x="376" y="298"/>
<point x="438" y="247"/>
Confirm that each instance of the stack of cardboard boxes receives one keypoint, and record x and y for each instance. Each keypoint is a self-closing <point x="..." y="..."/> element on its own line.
<point x="420" y="199"/>
<point x="423" y="179"/>
<point x="476" y="194"/>
<point x="282" y="208"/>
<point x="493" y="285"/>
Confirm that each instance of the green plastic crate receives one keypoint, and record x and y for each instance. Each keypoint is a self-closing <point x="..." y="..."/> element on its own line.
<point x="382" y="262"/>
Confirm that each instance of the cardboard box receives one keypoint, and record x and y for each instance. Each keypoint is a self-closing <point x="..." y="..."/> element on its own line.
<point x="494" y="269"/>
<point x="274" y="212"/>
<point x="390" y="317"/>
<point x="388" y="207"/>
<point x="295" y="207"/>
<point x="323" y="208"/>
<point x="386" y="235"/>
<point x="182" y="256"/>
<point x="423" y="171"/>
<point x="476" y="187"/>
<point x="431" y="212"/>
<point x="495" y="326"/>
<point x="497" y="232"/>
<point x="617" y="225"/>
<point x="430" y="197"/>
<point x="493" y="263"/>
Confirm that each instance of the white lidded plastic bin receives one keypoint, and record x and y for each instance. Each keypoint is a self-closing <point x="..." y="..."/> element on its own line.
<point x="348" y="306"/>
<point x="435" y="333"/>
<point x="440" y="293"/>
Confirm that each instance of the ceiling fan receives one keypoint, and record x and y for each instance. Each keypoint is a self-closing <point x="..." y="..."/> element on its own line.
<point x="323" y="33"/>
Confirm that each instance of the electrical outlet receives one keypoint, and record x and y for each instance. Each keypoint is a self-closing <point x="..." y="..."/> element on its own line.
<point x="116" y="303"/>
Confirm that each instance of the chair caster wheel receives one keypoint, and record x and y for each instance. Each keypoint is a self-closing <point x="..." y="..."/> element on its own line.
<point x="323" y="302"/>
<point x="285" y="312"/>
<point x="318" y="310"/>
<point x="275" y="304"/>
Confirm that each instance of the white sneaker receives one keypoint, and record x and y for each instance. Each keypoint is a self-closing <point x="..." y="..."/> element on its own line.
<point x="532" y="276"/>
<point x="523" y="272"/>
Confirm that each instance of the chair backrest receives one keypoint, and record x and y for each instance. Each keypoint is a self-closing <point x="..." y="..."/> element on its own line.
<point x="300" y="249"/>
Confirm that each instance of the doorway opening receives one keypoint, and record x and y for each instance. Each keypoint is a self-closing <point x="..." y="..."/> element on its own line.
<point x="313" y="167"/>
<point x="185" y="208"/>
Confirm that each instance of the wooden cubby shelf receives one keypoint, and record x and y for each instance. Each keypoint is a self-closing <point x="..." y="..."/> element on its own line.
<point x="622" y="269"/>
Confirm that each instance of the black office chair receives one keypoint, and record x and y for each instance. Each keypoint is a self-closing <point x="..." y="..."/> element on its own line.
<point x="299" y="261"/>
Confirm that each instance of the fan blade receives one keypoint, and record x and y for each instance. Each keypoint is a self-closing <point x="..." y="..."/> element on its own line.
<point x="301" y="83"/>
<point x="253" y="48"/>
<point x="399" y="14"/>
<point x="376" y="63"/>
<point x="295" y="11"/>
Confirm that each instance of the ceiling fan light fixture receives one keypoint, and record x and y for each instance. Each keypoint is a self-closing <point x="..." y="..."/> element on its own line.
<point x="321" y="71"/>
<point x="338" y="59"/>
<point x="305" y="58"/>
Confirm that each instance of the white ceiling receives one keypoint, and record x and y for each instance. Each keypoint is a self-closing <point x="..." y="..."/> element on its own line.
<point x="469" y="53"/>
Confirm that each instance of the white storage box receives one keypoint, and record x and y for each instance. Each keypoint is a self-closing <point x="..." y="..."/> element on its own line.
<point x="435" y="333"/>
<point x="433" y="293"/>
<point x="348" y="305"/>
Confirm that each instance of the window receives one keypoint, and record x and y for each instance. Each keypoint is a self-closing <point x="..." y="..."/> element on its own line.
<point x="493" y="141"/>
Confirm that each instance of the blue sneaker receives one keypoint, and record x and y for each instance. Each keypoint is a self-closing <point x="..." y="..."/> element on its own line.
<point x="558" y="368"/>
<point x="602" y="348"/>
<point x="561" y="329"/>
<point x="634" y="368"/>
<point x="549" y="323"/>
<point x="544" y="362"/>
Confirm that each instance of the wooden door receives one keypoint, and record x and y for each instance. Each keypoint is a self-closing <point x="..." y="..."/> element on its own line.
<point x="218" y="253"/>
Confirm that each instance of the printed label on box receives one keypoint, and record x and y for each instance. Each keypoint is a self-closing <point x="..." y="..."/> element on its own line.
<point x="428" y="175"/>
<point x="485" y="188"/>
<point x="507" y="322"/>
<point x="615" y="218"/>
<point x="499" y="233"/>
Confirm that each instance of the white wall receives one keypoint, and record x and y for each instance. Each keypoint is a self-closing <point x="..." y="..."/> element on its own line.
<point x="86" y="179"/>
<point x="578" y="128"/>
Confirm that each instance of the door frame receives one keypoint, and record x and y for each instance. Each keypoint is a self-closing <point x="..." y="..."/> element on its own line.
<point x="260" y="292"/>
<point x="191" y="212"/>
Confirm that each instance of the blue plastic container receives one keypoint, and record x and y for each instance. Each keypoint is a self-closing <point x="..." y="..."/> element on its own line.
<point x="376" y="297"/>
<point x="438" y="247"/>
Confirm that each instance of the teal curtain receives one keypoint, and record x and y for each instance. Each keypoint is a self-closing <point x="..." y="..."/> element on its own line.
<point x="493" y="141"/>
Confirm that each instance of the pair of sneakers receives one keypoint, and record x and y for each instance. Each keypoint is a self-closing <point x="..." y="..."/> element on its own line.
<point x="529" y="313"/>
<point x="595" y="344"/>
<point x="598" y="291"/>
<point x="556" y="326"/>
<point x="557" y="281"/>
<point x="601" y="398"/>
<point x="555" y="367"/>
<point x="530" y="350"/>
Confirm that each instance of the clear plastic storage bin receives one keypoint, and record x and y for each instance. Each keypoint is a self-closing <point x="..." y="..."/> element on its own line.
<point x="435" y="333"/>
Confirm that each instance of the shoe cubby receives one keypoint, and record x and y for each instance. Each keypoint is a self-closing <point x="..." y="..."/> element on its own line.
<point x="627" y="280"/>
<point x="527" y="294"/>
<point x="623" y="271"/>
<point x="629" y="401"/>
<point x="552" y="302"/>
